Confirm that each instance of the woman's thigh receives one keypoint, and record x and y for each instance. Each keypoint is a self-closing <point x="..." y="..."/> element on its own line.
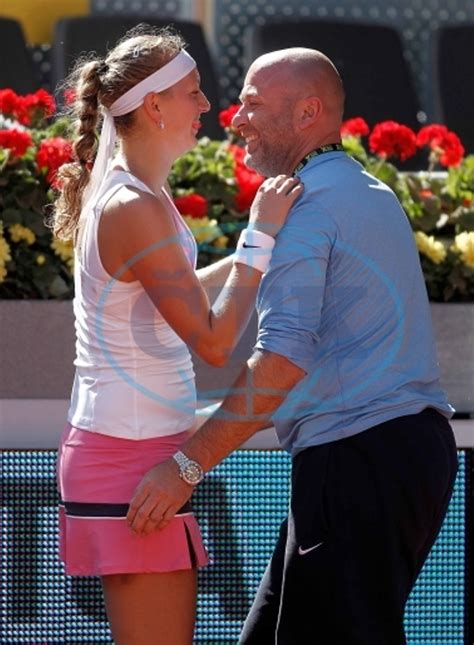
<point x="151" y="608"/>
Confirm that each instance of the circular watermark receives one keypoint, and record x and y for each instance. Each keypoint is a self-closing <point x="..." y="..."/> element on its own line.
<point x="306" y="295"/>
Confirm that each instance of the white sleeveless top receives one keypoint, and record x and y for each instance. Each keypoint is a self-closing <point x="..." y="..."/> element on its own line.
<point x="134" y="375"/>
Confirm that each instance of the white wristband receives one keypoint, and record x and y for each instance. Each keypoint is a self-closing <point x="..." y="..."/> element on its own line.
<point x="254" y="249"/>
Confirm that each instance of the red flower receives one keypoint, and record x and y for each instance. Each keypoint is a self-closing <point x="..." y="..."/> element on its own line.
<point x="248" y="181"/>
<point x="9" y="102"/>
<point x="453" y="151"/>
<point x="52" y="154"/>
<point x="26" y="109"/>
<point x="390" y="139"/>
<point x="15" y="140"/>
<point x="429" y="133"/>
<point x="238" y="153"/>
<point x="194" y="205"/>
<point x="33" y="107"/>
<point x="226" y="116"/>
<point x="444" y="142"/>
<point x="354" y="128"/>
<point x="426" y="193"/>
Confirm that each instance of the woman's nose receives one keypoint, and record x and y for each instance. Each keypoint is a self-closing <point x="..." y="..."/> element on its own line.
<point x="205" y="105"/>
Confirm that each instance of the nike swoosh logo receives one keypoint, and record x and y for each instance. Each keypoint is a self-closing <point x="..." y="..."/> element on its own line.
<point x="302" y="551"/>
<point x="250" y="246"/>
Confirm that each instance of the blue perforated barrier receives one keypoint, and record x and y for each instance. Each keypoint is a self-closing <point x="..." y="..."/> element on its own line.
<point x="240" y="506"/>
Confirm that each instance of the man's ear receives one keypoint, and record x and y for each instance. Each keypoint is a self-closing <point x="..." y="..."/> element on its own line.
<point x="309" y="111"/>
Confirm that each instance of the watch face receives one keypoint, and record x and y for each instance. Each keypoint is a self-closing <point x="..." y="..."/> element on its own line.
<point x="192" y="473"/>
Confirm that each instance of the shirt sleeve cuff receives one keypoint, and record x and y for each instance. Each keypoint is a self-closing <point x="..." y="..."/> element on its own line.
<point x="296" y="349"/>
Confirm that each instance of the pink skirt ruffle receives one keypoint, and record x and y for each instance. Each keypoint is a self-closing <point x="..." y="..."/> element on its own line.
<point x="97" y="476"/>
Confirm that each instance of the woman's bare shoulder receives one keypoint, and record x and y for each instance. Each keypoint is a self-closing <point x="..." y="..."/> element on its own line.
<point x="132" y="220"/>
<point x="130" y="204"/>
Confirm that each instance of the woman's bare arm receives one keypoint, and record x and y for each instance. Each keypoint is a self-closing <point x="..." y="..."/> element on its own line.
<point x="214" y="276"/>
<point x="138" y="230"/>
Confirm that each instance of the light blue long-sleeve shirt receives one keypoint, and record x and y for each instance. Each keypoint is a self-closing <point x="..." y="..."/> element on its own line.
<point x="344" y="299"/>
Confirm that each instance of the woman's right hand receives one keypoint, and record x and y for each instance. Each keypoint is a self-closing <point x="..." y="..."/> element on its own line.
<point x="272" y="203"/>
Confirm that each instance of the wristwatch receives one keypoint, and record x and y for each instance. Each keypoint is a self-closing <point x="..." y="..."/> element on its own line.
<point x="190" y="471"/>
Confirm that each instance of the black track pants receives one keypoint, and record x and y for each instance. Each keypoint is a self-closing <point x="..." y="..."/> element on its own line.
<point x="365" y="512"/>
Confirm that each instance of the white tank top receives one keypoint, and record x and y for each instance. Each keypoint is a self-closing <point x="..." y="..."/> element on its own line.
<point x="134" y="375"/>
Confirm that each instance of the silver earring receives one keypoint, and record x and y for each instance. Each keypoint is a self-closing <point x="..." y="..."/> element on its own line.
<point x="162" y="125"/>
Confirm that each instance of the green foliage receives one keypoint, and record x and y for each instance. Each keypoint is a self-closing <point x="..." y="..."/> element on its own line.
<point x="440" y="208"/>
<point x="35" y="270"/>
<point x="438" y="205"/>
<point x="209" y="170"/>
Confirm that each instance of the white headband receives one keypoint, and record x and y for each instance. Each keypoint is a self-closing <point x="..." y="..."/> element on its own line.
<point x="160" y="80"/>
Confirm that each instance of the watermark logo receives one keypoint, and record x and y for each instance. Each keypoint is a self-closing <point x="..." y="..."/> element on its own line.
<point x="351" y="309"/>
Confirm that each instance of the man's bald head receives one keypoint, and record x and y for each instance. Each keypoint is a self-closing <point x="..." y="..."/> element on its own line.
<point x="303" y="72"/>
<point x="292" y="103"/>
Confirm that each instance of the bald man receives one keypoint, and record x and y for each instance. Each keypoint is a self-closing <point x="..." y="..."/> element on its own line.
<point x="345" y="368"/>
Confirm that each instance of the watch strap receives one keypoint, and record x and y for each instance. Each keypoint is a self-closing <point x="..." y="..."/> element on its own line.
<point x="181" y="459"/>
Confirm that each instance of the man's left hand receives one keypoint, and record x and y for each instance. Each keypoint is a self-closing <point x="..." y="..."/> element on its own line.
<point x="158" y="497"/>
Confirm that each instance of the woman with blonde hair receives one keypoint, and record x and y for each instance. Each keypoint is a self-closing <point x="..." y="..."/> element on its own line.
<point x="139" y="307"/>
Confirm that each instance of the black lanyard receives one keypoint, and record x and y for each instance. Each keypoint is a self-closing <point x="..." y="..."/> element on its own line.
<point x="330" y="147"/>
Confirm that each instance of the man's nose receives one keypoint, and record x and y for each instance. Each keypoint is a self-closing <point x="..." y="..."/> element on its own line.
<point x="239" y="119"/>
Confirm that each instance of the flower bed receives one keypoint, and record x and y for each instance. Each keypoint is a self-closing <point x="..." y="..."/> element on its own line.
<point x="213" y="189"/>
<point x="439" y="205"/>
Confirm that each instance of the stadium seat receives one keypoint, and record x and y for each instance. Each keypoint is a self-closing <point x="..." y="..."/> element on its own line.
<point x="455" y="66"/>
<point x="16" y="68"/>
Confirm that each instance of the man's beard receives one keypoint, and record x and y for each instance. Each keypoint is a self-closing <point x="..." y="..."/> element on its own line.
<point x="268" y="161"/>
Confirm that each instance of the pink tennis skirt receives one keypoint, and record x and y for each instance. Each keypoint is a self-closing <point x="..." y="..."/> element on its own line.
<point x="97" y="476"/>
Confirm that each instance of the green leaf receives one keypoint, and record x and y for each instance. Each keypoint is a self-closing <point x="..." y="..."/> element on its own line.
<point x="35" y="222"/>
<point x="353" y="146"/>
<point x="465" y="221"/>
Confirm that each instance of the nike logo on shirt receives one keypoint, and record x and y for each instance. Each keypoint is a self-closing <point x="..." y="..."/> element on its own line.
<point x="302" y="551"/>
<point x="250" y="246"/>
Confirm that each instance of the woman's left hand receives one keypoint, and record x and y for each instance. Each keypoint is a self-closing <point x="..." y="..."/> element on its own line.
<point x="158" y="497"/>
